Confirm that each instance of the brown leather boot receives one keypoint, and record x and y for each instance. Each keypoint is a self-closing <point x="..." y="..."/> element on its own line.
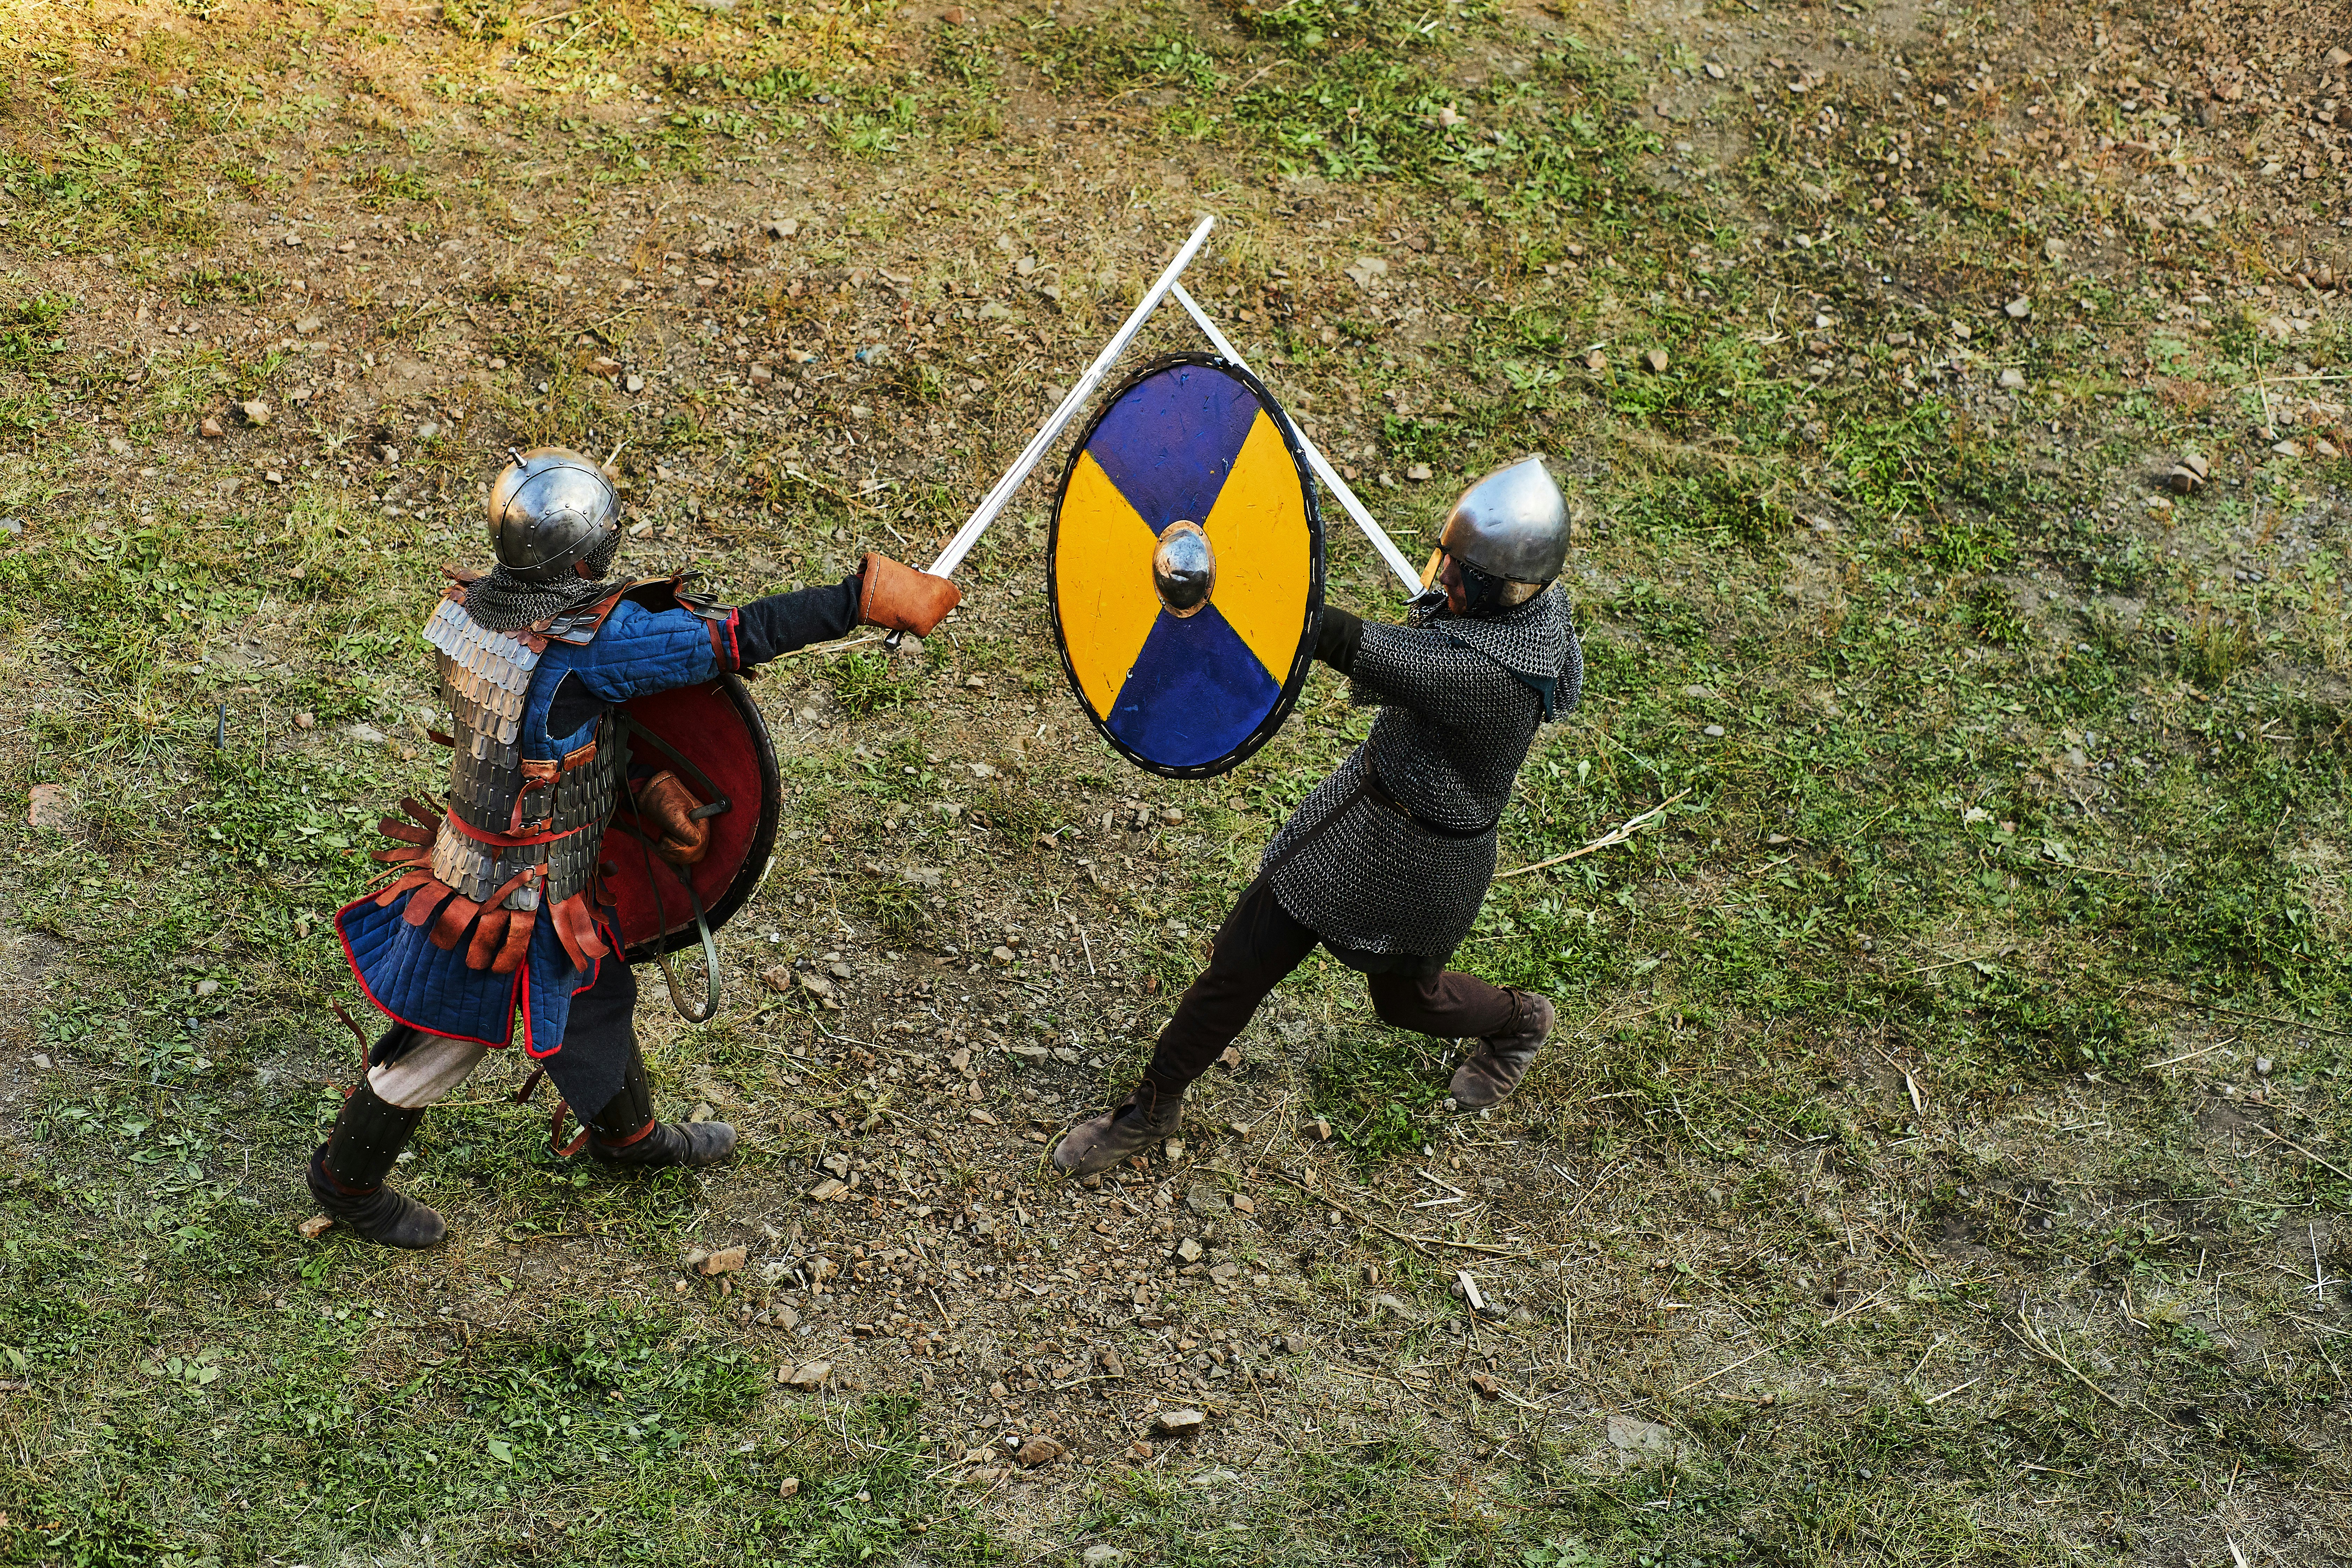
<point x="662" y="1144"/>
<point x="1492" y="1066"/>
<point x="1094" y="1146"/>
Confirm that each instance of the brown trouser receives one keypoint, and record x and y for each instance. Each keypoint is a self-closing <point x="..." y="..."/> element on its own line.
<point x="1257" y="945"/>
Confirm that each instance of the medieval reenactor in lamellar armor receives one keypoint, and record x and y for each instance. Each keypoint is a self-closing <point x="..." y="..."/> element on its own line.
<point x="1387" y="862"/>
<point x="496" y="921"/>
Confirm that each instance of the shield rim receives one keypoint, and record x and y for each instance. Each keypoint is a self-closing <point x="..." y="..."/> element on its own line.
<point x="1248" y="745"/>
<point x="762" y="847"/>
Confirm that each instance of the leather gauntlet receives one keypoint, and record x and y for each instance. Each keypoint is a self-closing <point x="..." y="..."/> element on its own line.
<point x="667" y="804"/>
<point x="903" y="599"/>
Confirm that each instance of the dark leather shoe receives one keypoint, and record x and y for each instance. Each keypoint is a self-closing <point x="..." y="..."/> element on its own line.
<point x="378" y="1215"/>
<point x="1493" y="1065"/>
<point x="669" y="1144"/>
<point x="1120" y="1134"/>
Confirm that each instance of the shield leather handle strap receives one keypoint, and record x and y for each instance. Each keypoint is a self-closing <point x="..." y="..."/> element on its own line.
<point x="694" y="775"/>
<point x="701" y="925"/>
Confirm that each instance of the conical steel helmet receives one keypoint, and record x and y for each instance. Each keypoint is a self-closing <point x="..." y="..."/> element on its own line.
<point x="551" y="509"/>
<point x="1511" y="524"/>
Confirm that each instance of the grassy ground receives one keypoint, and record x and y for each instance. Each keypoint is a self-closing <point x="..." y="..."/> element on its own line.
<point x="1943" y="1155"/>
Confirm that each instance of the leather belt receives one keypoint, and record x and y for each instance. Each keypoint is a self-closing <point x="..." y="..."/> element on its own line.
<point x="1379" y="794"/>
<point x="1369" y="787"/>
<point x="512" y="840"/>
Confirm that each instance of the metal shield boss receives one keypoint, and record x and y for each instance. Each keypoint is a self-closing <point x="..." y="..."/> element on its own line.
<point x="1185" y="568"/>
<point x="712" y="738"/>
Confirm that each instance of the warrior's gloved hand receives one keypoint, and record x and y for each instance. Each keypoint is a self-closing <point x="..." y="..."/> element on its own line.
<point x="903" y="599"/>
<point x="1338" y="637"/>
<point x="667" y="804"/>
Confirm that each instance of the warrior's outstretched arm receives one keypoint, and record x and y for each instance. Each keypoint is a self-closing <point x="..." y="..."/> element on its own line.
<point x="641" y="651"/>
<point x="782" y="623"/>
<point x="1402" y="664"/>
<point x="880" y="593"/>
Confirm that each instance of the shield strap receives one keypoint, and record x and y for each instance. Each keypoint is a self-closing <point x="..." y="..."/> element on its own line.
<point x="701" y="925"/>
<point x="678" y="760"/>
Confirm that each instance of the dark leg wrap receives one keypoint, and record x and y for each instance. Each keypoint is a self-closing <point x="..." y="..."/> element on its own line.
<point x="369" y="1135"/>
<point x="346" y="1173"/>
<point x="626" y="1133"/>
<point x="624" y="1120"/>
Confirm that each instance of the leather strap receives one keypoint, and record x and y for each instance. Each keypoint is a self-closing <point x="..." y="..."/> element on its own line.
<point x="357" y="1032"/>
<point x="494" y="935"/>
<point x="555" y="1118"/>
<point x="508" y="840"/>
<point x="577" y="930"/>
<point x="1379" y="794"/>
<point x="537" y="775"/>
<point x="555" y="1130"/>
<point x="426" y="900"/>
<point x="456" y="914"/>
<point x="639" y="1136"/>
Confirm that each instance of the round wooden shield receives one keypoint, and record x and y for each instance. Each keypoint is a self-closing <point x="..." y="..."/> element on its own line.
<point x="712" y="737"/>
<point x="1185" y="567"/>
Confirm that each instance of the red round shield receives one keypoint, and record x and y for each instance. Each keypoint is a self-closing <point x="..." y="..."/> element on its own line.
<point x="712" y="737"/>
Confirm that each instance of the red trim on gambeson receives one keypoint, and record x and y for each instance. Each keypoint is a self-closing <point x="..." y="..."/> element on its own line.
<point x="522" y="1005"/>
<point x="595" y="967"/>
<point x="378" y="1003"/>
<point x="729" y="653"/>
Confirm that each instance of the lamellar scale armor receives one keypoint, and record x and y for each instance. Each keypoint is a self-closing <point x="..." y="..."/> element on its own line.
<point x="522" y="834"/>
<point x="494" y="789"/>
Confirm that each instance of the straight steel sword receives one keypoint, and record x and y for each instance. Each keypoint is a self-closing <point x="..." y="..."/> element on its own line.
<point x="1315" y="459"/>
<point x="1000" y="495"/>
<point x="994" y="502"/>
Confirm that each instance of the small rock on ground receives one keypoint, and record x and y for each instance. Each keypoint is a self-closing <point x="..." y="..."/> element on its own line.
<point x="50" y="807"/>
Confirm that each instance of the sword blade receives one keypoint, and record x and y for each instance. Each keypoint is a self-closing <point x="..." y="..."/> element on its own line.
<point x="1315" y="459"/>
<point x="1000" y="495"/>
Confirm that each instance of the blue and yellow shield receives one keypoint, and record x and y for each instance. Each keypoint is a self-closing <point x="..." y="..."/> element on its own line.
<point x="1186" y="567"/>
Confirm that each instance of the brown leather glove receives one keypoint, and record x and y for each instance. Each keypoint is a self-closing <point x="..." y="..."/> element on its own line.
<point x="903" y="599"/>
<point x="669" y="804"/>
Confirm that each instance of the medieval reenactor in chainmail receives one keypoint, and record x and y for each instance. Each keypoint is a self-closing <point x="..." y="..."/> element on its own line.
<point x="496" y="920"/>
<point x="1388" y="861"/>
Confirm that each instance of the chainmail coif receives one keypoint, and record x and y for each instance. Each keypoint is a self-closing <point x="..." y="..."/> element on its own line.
<point x="500" y="601"/>
<point x="1457" y="714"/>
